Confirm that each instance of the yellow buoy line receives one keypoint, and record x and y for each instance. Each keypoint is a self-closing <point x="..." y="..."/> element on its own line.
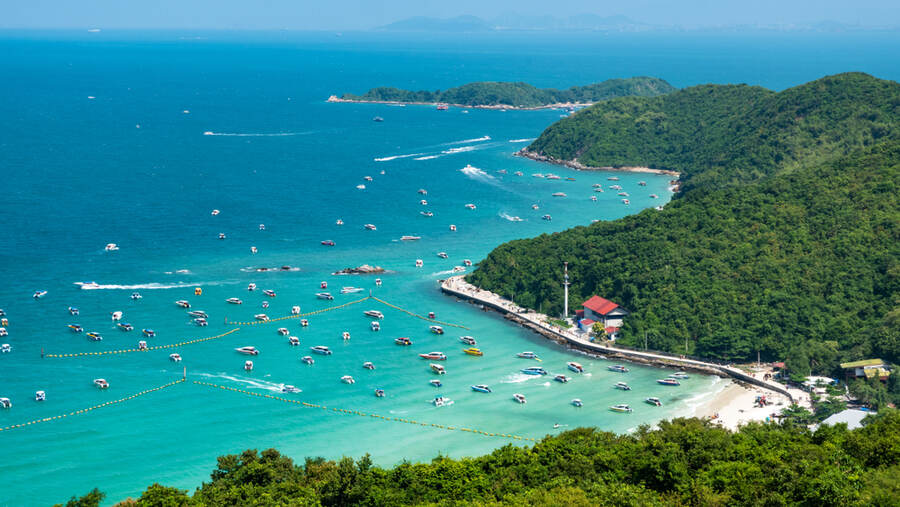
<point x="298" y="316"/>
<point x="363" y="414"/>
<point x="95" y="407"/>
<point x="416" y="314"/>
<point x="155" y="347"/>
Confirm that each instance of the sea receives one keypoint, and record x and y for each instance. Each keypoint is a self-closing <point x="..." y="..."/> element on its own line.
<point x="134" y="138"/>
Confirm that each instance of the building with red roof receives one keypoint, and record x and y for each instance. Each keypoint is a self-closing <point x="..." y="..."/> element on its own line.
<point x="604" y="311"/>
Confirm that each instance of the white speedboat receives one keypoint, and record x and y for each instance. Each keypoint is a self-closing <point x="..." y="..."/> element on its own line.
<point x="434" y="356"/>
<point x="175" y="357"/>
<point x="527" y="355"/>
<point x="562" y="379"/>
<point x="375" y="325"/>
<point x="436" y="329"/>
<point x="251" y="286"/>
<point x="520" y="398"/>
<point x="40" y="396"/>
<point x="467" y="263"/>
<point x="379" y="393"/>
<point x="111" y="247"/>
<point x="73" y="310"/>
<point x="441" y="401"/>
<point x="422" y="191"/>
<point x="410" y="238"/>
<point x="5" y="403"/>
<point x="576" y="367"/>
<point x="654" y="196"/>
<point x="378" y="282"/>
<point x="623" y="386"/>
<point x="403" y="340"/>
<point x="5" y="348"/>
<point x="233" y="301"/>
<point x="116" y="315"/>
<point x="101" y="383"/>
<point x="321" y="349"/>
<point x="351" y="290"/>
<point x="198" y="313"/>
<point x="261" y="316"/>
<point x="295" y="310"/>
<point x="559" y="194"/>
<point x="428" y="214"/>
<point x="215" y="211"/>
<point x="459" y="269"/>
<point x="419" y="263"/>
<point x="307" y="359"/>
<point x="617" y="368"/>
<point x="269" y="292"/>
<point x="577" y="402"/>
<point x="481" y="388"/>
<point x="182" y="303"/>
<point x="594" y="198"/>
<point x="626" y="201"/>
<point x="142" y="345"/>
<point x="247" y="350"/>
<point x="370" y="227"/>
<point x="534" y="370"/>
<point x="283" y="331"/>
<point x="423" y="202"/>
<point x="547" y="218"/>
<point x="470" y="206"/>
<point x="452" y="228"/>
<point x="324" y="295"/>
<point x="437" y="368"/>
<point x="652" y="400"/>
<point x="668" y="382"/>
<point x="248" y="365"/>
<point x="613" y="178"/>
<point x="468" y="340"/>
<point x="435" y="383"/>
<point x="367" y="178"/>
<point x="374" y="314"/>
<point x="136" y="295"/>
<point x="442" y="255"/>
<point x="621" y="407"/>
<point x="345" y="335"/>
<point x="361" y="187"/>
<point x="200" y="321"/>
<point x="339" y="222"/>
<point x="222" y="235"/>
<point x="287" y="388"/>
<point x="294" y="341"/>
<point x="679" y="375"/>
<point x="39" y="294"/>
<point x="304" y="323"/>
<point x="347" y="379"/>
<point x="368" y="365"/>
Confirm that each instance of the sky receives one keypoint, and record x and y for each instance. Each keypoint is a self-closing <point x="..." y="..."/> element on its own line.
<point x="366" y="14"/>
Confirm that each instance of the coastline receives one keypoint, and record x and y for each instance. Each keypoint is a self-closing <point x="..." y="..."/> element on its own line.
<point x="497" y="107"/>
<point x="575" y="164"/>
<point x="734" y="406"/>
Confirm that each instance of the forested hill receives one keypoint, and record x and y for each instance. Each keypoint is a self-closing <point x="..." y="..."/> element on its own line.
<point x="805" y="264"/>
<point x="520" y="94"/>
<point x="718" y="135"/>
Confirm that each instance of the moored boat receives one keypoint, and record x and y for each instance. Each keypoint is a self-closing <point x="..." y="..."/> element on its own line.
<point x="283" y="331"/>
<point x="621" y="407"/>
<point x="481" y="388"/>
<point x="345" y="335"/>
<point x="577" y="402"/>
<point x="576" y="367"/>
<point x="668" y="382"/>
<point x="520" y="398"/>
<point x="434" y="356"/>
<point x="247" y="350"/>
<point x="472" y="351"/>
<point x="176" y="358"/>
<point x="622" y="385"/>
<point x="94" y="336"/>
<point x="261" y="316"/>
<point x="101" y="383"/>
<point x="269" y="292"/>
<point x="403" y="340"/>
<point x="534" y="370"/>
<point x="468" y="340"/>
<point x="73" y="310"/>
<point x="321" y="349"/>
<point x="368" y="365"/>
<point x="142" y="345"/>
<point x="288" y="389"/>
<point x="617" y="368"/>
<point x="233" y="301"/>
<point x="436" y="329"/>
<point x="327" y="242"/>
<point x="149" y="333"/>
<point x="136" y="295"/>
<point x="75" y="328"/>
<point x="375" y="325"/>
<point x="652" y="400"/>
<point x="248" y="365"/>
<point x="351" y="290"/>
<point x="183" y="303"/>
<point x="324" y="295"/>
<point x="440" y="401"/>
<point x="124" y="326"/>
<point x="561" y="379"/>
<point x="440" y="370"/>
<point x="379" y="393"/>
<point x="293" y="341"/>
<point x="307" y="359"/>
<point x="40" y="396"/>
<point x="347" y="379"/>
<point x="374" y="314"/>
<point x="442" y="255"/>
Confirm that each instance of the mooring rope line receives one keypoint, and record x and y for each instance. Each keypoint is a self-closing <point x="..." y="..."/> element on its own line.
<point x="95" y="407"/>
<point x="416" y="314"/>
<point x="363" y="414"/>
<point x="155" y="347"/>
<point x="298" y="316"/>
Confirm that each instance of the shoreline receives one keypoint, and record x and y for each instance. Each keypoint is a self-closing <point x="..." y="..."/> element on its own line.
<point x="578" y="166"/>
<point x="734" y="406"/>
<point x="497" y="107"/>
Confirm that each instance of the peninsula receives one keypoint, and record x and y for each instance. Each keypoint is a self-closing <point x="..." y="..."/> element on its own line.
<point x="508" y="95"/>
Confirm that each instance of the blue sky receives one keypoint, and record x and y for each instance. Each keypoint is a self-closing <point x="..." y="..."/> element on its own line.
<point x="363" y="14"/>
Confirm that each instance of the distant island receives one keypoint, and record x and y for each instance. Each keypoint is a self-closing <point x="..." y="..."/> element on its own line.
<point x="508" y="95"/>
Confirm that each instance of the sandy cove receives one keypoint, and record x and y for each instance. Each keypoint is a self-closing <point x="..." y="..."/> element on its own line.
<point x="503" y="107"/>
<point x="575" y="164"/>
<point x="735" y="406"/>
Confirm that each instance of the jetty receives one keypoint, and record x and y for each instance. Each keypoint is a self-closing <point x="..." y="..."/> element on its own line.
<point x="457" y="286"/>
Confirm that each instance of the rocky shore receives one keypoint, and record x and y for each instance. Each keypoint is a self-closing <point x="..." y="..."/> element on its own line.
<point x="365" y="269"/>
<point x="575" y="164"/>
<point x="336" y="99"/>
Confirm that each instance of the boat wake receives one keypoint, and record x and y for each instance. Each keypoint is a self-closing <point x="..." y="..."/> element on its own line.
<point x="509" y="217"/>
<point x="477" y="174"/>
<point x="521" y="140"/>
<point x="179" y="272"/>
<point x="461" y="149"/>
<point x="257" y="134"/>
<point x="97" y="286"/>
<point x="475" y="140"/>
<point x="263" y="269"/>
<point x="395" y="157"/>
<point x="517" y="378"/>
<point x="252" y="383"/>
<point x="427" y="157"/>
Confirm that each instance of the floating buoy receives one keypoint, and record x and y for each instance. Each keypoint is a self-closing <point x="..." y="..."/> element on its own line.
<point x="198" y="291"/>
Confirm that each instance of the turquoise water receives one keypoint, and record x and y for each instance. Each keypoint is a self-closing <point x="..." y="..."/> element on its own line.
<point x="79" y="173"/>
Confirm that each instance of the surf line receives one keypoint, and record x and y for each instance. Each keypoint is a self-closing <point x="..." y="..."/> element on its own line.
<point x="95" y="407"/>
<point x="363" y="414"/>
<point x="155" y="347"/>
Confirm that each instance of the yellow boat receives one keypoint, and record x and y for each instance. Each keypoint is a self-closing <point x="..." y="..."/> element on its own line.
<point x="472" y="351"/>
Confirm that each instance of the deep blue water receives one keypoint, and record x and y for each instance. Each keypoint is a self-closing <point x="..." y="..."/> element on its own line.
<point x="131" y="167"/>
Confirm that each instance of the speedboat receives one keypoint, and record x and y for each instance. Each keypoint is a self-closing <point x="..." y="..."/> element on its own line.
<point x="368" y="365"/>
<point x="76" y="328"/>
<point x="468" y="340"/>
<point x="472" y="351"/>
<point x="198" y="313"/>
<point x="596" y="185"/>
<point x="459" y="269"/>
<point x="339" y="222"/>
<point x="182" y="303"/>
<point x="101" y="383"/>
<point x="254" y="250"/>
<point x="295" y="310"/>
<point x="307" y="359"/>
<point x="40" y="396"/>
<point x="626" y="201"/>
<point x="419" y="263"/>
<point x="561" y="379"/>
<point x="467" y="263"/>
<point x="39" y="294"/>
<point x="262" y="227"/>
<point x="149" y="333"/>
<point x="111" y="247"/>
<point x="324" y="295"/>
<point x="519" y="173"/>
<point x="142" y="345"/>
<point x="410" y="238"/>
<point x="175" y="357"/>
<point x="116" y="315"/>
<point x="5" y="403"/>
<point x="215" y="211"/>
<point x="623" y="386"/>
<point x="547" y="218"/>
<point x="617" y="368"/>
<point x="261" y="316"/>
<point x="668" y="382"/>
<point x="594" y="198"/>
<point x="321" y="349"/>
<point x="233" y="301"/>
<point x="613" y="178"/>
<point x="328" y="242"/>
<point x="621" y="407"/>
<point x="558" y="194"/>
<point x="481" y="388"/>
<point x="248" y="350"/>
<point x="616" y="187"/>
<point x="501" y="171"/>
<point x="3" y="331"/>
<point x="654" y="196"/>
<point x="283" y="331"/>
<point x="576" y="367"/>
<point x="452" y="228"/>
<point x="200" y="321"/>
<point x="470" y="206"/>
<point x="423" y="202"/>
<point x="124" y="326"/>
<point x="552" y="177"/>
<point x="422" y="191"/>
<point x="222" y="235"/>
<point x="248" y="365"/>
<point x="520" y="398"/>
<point x="577" y="402"/>
<point x="436" y="329"/>
<point x="434" y="356"/>
<point x="370" y="227"/>
<point x="403" y="340"/>
<point x="375" y="325"/>
<point x="345" y="335"/>
<point x="435" y="383"/>
<point x="304" y="322"/>
<point x="623" y="194"/>
<point x="437" y="368"/>
<point x="95" y="337"/>
<point x="442" y="255"/>
<point x="136" y="295"/>
<point x="527" y="355"/>
<point x="598" y="190"/>
<point x="653" y="401"/>
<point x="534" y="370"/>
<point x="535" y="207"/>
<point x="368" y="178"/>
<point x="679" y="375"/>
<point x="347" y="379"/>
<point x="426" y="214"/>
<point x="287" y="388"/>
<point x="379" y="393"/>
<point x="5" y="348"/>
<point x="440" y="401"/>
<point x="378" y="282"/>
<point x="361" y="187"/>
<point x="294" y="341"/>
<point x="374" y="314"/>
<point x="251" y="286"/>
<point x="269" y="292"/>
<point x="642" y="183"/>
<point x="351" y="290"/>
<point x="73" y="310"/>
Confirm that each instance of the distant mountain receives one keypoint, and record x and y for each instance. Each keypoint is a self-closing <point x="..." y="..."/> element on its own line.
<point x="426" y="24"/>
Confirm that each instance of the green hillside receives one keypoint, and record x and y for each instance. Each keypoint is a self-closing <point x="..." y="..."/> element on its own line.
<point x="521" y="94"/>
<point x="805" y="263"/>
<point x="722" y="135"/>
